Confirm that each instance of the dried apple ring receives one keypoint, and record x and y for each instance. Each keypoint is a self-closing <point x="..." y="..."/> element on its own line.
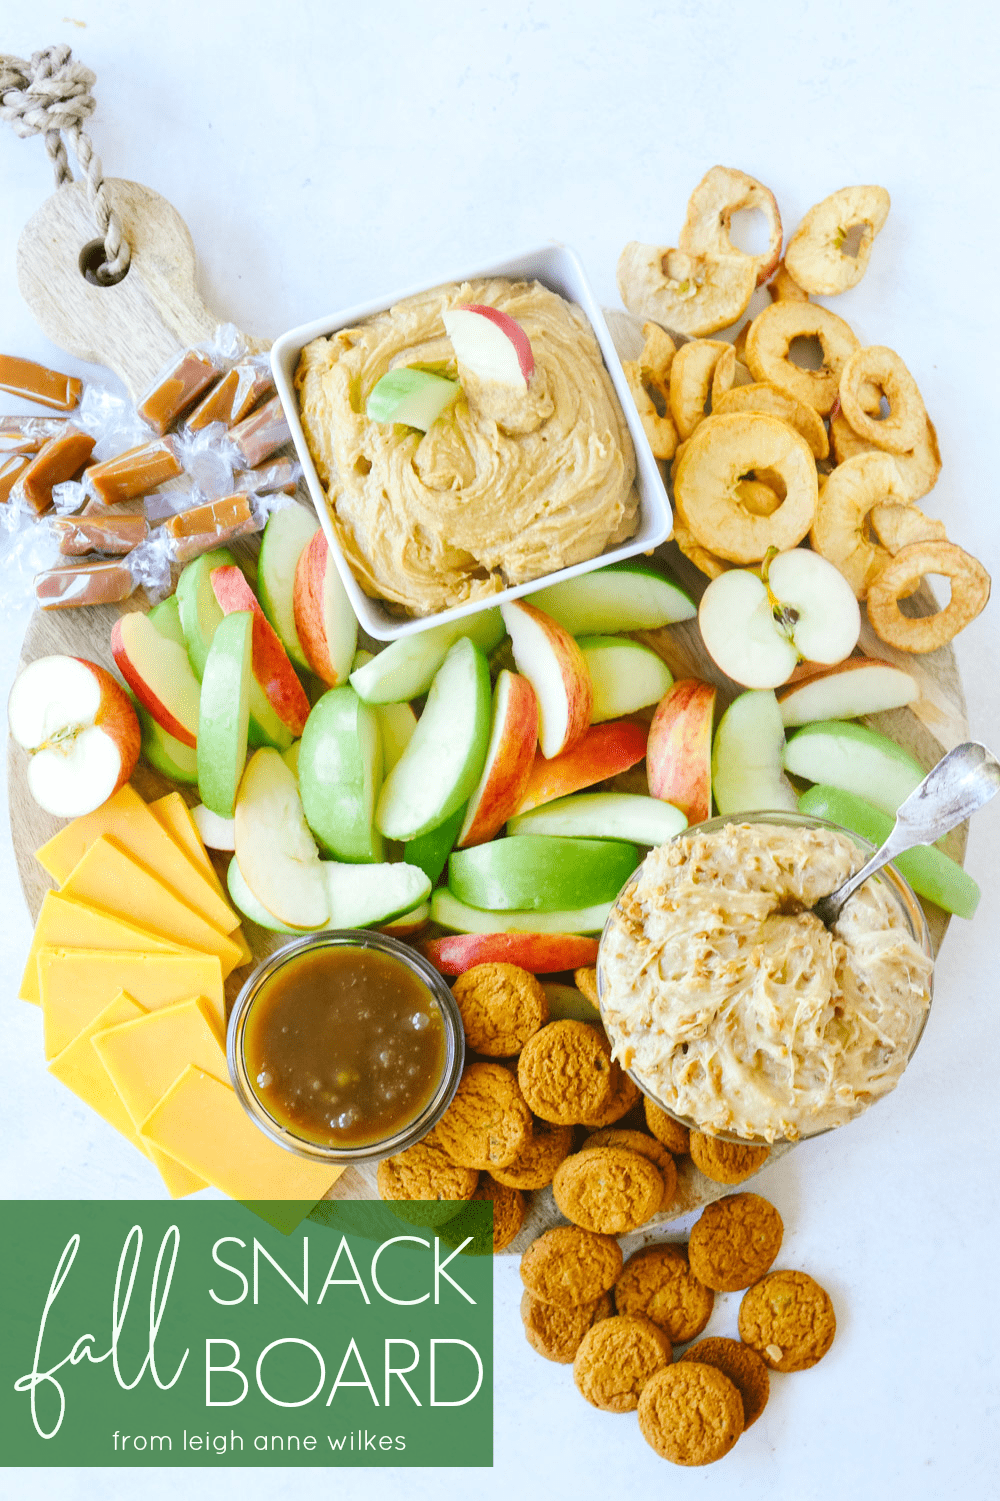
<point x="898" y="526"/>
<point x="722" y="452"/>
<point x="693" y="295"/>
<point x="705" y="561"/>
<point x="761" y="396"/>
<point x="839" y="532"/>
<point x="819" y="256"/>
<point x="772" y="334"/>
<point x="918" y="469"/>
<point x="720" y="194"/>
<point x="724" y="373"/>
<point x="970" y="589"/>
<point x="880" y="367"/>
<point x="784" y="288"/>
<point x="659" y="429"/>
<point x="656" y="358"/>
<point x="691" y="381"/>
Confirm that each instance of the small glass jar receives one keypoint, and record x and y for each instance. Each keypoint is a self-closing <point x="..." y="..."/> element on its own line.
<point x="405" y="1133"/>
<point x="906" y="900"/>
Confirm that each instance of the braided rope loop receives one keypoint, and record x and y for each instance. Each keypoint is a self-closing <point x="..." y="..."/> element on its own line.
<point x="50" y="95"/>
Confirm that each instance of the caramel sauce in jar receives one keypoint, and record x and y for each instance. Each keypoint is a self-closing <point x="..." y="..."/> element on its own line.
<point x="344" y="1045"/>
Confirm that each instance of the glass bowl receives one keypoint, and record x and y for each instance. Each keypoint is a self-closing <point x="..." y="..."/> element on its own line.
<point x="439" y="996"/>
<point x="904" y="896"/>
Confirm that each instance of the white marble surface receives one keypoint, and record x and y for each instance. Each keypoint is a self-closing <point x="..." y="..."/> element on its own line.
<point x="322" y="154"/>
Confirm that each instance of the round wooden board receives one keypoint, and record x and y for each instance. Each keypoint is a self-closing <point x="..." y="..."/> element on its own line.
<point x="133" y="328"/>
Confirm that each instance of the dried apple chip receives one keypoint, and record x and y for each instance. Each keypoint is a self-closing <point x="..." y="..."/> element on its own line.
<point x="705" y="561"/>
<point x="879" y="370"/>
<point x="719" y="195"/>
<point x="897" y="526"/>
<point x="784" y="288"/>
<point x="692" y="294"/>
<point x="659" y="429"/>
<point x="970" y="589"/>
<point x="761" y="396"/>
<point x="819" y="254"/>
<point x="918" y="469"/>
<point x="691" y="377"/>
<point x="770" y="339"/>
<point x="839" y="532"/>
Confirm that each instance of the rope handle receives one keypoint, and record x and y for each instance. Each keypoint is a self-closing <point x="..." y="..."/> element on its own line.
<point x="51" y="95"/>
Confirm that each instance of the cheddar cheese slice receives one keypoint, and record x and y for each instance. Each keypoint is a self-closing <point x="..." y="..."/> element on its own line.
<point x="202" y="1123"/>
<point x="81" y="1070"/>
<point x="126" y="819"/>
<point x="75" y="985"/>
<point x="108" y="877"/>
<point x="64" y="923"/>
<point x="175" y="816"/>
<point x="143" y="1057"/>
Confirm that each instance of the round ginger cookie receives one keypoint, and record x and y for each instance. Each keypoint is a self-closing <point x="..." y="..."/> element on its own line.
<point x="535" y="1164"/>
<point x="609" y="1190"/>
<point x="508" y="1209"/>
<point x="646" y="1146"/>
<point x="502" y="1005"/>
<point x="615" y="1360"/>
<point x="625" y="1094"/>
<point x="690" y="1413"/>
<point x="735" y="1242"/>
<point x="565" y="1072"/>
<point x="555" y="1332"/>
<point x="425" y="1171"/>
<point x="658" y="1282"/>
<point x="743" y="1366"/>
<point x="585" y="981"/>
<point x="569" y="1266"/>
<point x="675" y="1137"/>
<point x="488" y="1122"/>
<point x="789" y="1320"/>
<point x="726" y="1161"/>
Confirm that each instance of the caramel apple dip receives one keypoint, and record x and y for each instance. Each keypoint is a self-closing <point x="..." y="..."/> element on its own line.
<point x="735" y="1007"/>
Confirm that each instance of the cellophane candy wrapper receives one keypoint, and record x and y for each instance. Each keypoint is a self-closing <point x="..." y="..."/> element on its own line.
<point x="27" y="547"/>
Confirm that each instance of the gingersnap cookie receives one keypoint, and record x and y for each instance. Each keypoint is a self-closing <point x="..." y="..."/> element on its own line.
<point x="585" y="981"/>
<point x="726" y="1161"/>
<point x="565" y="1072"/>
<point x="424" y="1171"/>
<point x="502" y="1005"/>
<point x="569" y="1266"/>
<point x="615" y="1360"/>
<point x="508" y="1209"/>
<point x="535" y="1164"/>
<point x="488" y="1121"/>
<point x="690" y="1413"/>
<point x="625" y="1095"/>
<point x="789" y="1320"/>
<point x="609" y="1189"/>
<point x="646" y="1146"/>
<point x="555" y="1332"/>
<point x="675" y="1137"/>
<point x="658" y="1282"/>
<point x="735" y="1241"/>
<point x="743" y="1366"/>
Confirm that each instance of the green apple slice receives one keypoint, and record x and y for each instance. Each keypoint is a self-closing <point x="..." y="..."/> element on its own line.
<point x="603" y="815"/>
<point x="277" y="857"/>
<point x="441" y="765"/>
<point x="566" y="1003"/>
<point x="224" y="713"/>
<point x="746" y="757"/>
<point x="431" y="850"/>
<point x="396" y="721"/>
<point x="165" y="752"/>
<point x="287" y="532"/>
<point x="626" y="675"/>
<point x="166" y="616"/>
<point x="855" y="759"/>
<point x="930" y="872"/>
<point x="540" y="872"/>
<point x="363" y="895"/>
<point x="340" y="775"/>
<point x="406" y="668"/>
<point x="414" y="397"/>
<point x="633" y="595"/>
<point x="447" y="910"/>
<point x="248" y="904"/>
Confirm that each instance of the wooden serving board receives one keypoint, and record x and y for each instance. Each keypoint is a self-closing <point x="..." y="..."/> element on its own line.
<point x="134" y="328"/>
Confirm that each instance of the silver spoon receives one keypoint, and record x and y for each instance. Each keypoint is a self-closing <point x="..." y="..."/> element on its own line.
<point x="961" y="782"/>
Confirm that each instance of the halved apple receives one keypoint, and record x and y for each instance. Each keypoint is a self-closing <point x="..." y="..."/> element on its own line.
<point x="324" y="616"/>
<point x="491" y="344"/>
<point x="159" y="674"/>
<point x="411" y="396"/>
<point x="541" y="872"/>
<point x="80" y="731"/>
<point x="626" y="675"/>
<point x="340" y="775"/>
<point x="510" y="756"/>
<point x="286" y="535"/>
<point x="861" y="685"/>
<point x="539" y="953"/>
<point x="225" y="713"/>
<point x="271" y="667"/>
<point x="679" y="749"/>
<point x="855" y="759"/>
<point x="406" y="668"/>
<point x="604" y="751"/>
<point x="747" y="755"/>
<point x="633" y="595"/>
<point x="554" y="665"/>
<point x="275" y="851"/>
<point x="447" y="910"/>
<point x="443" y="762"/>
<point x="603" y="815"/>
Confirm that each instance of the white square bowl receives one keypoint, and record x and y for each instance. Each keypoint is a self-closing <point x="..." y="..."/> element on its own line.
<point x="556" y="267"/>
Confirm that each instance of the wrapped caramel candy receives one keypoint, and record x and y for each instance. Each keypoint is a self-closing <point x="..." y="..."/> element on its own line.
<point x="83" y="584"/>
<point x="231" y="398"/>
<point x="11" y="470"/>
<point x="261" y="434"/>
<point x="49" y="388"/>
<point x="96" y="532"/>
<point x="177" y="389"/>
<point x="58" y="460"/>
<point x="135" y="472"/>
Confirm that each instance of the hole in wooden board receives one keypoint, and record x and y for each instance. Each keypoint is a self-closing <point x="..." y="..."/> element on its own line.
<point x="93" y="259"/>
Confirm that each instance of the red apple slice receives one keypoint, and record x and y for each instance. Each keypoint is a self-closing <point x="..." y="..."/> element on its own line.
<point x="271" y="667"/>
<point x="509" y="759"/>
<point x="679" y="749"/>
<point x="491" y="344"/>
<point x="159" y="673"/>
<point x="605" y="750"/>
<point x="324" y="617"/>
<point x="539" y="953"/>
<point x="80" y="730"/>
<point x="555" y="667"/>
<point x="861" y="685"/>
